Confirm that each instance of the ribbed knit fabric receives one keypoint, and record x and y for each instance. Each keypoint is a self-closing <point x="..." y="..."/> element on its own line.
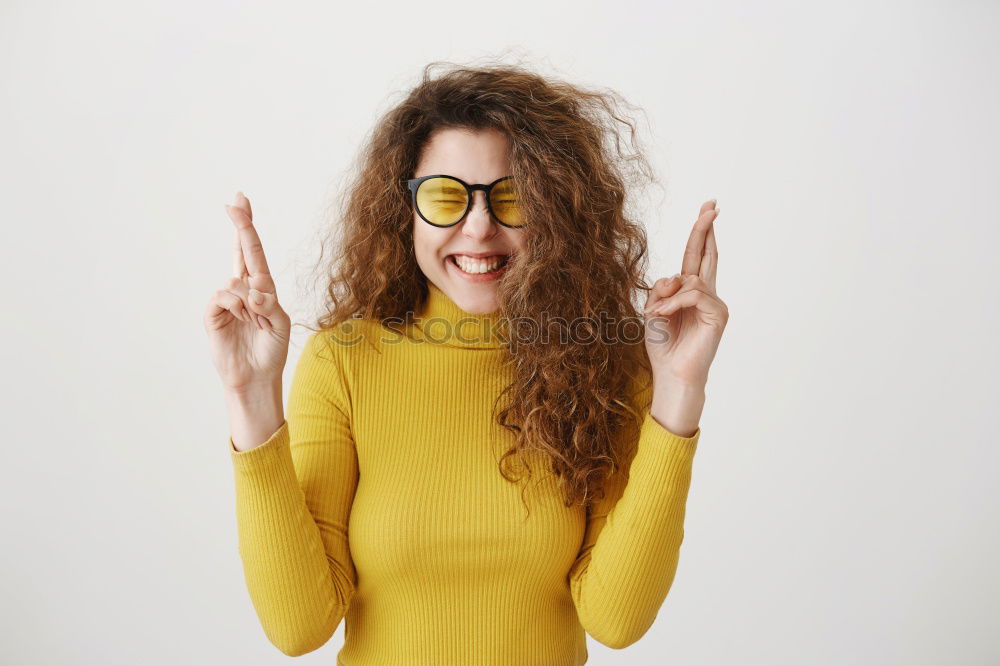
<point x="379" y="501"/>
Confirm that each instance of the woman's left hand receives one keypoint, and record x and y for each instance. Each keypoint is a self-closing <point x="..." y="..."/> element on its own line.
<point x="682" y="346"/>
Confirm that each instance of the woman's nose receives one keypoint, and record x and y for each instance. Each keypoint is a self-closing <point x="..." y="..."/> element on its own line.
<point x="478" y="222"/>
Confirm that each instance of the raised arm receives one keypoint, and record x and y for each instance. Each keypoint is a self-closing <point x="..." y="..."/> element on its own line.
<point x="293" y="500"/>
<point x="632" y="543"/>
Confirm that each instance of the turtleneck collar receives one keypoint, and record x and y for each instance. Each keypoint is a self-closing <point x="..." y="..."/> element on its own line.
<point x="440" y="321"/>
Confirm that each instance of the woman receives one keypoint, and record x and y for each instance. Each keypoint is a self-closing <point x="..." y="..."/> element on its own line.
<point x="464" y="489"/>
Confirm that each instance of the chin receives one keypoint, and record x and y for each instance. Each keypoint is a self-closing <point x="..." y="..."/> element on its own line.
<point x="481" y="307"/>
<point x="474" y="299"/>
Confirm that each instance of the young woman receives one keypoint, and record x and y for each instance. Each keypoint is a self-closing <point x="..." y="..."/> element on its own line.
<point x="487" y="449"/>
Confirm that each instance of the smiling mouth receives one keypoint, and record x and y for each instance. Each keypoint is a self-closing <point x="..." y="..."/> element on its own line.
<point x="474" y="266"/>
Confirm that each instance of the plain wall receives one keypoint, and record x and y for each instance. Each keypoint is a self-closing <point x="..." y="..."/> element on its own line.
<point x="844" y="503"/>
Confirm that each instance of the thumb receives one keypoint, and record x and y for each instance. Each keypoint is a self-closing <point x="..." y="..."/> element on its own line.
<point x="262" y="302"/>
<point x="269" y="309"/>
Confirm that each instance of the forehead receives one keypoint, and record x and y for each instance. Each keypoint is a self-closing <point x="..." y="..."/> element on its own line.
<point x="475" y="156"/>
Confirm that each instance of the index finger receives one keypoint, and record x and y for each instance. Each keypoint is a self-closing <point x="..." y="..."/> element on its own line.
<point x="239" y="266"/>
<point x="696" y="241"/>
<point x="710" y="262"/>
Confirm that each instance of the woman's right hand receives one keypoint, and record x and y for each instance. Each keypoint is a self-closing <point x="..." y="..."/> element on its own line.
<point x="249" y="340"/>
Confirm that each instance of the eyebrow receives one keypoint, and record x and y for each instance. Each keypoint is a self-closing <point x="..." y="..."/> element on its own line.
<point x="451" y="189"/>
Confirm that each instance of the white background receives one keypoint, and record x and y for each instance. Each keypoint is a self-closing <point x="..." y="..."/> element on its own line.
<point x="844" y="505"/>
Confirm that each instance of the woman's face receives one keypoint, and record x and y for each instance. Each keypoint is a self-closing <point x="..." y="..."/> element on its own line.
<point x="474" y="157"/>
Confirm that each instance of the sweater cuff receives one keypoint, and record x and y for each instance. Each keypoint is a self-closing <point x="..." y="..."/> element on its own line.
<point x="668" y="442"/>
<point x="274" y="452"/>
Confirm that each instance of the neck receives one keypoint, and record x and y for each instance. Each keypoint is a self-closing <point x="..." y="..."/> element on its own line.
<point x="440" y="321"/>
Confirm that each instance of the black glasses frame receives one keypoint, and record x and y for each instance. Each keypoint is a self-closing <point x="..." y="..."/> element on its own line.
<point x="413" y="184"/>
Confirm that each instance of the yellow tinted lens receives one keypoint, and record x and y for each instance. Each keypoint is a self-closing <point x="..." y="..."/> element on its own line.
<point x="504" y="202"/>
<point x="442" y="200"/>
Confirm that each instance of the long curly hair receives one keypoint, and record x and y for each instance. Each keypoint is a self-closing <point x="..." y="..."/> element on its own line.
<point x="575" y="158"/>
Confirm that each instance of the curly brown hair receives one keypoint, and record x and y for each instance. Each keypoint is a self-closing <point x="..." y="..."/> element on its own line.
<point x="574" y="156"/>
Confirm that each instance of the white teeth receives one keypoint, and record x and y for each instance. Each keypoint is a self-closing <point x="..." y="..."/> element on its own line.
<point x="475" y="266"/>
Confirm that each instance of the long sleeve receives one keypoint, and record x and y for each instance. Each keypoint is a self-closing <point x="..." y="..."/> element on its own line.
<point x="293" y="501"/>
<point x="632" y="542"/>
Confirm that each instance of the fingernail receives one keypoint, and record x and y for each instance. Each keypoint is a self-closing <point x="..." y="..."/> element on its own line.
<point x="717" y="209"/>
<point x="256" y="296"/>
<point x="713" y="201"/>
<point x="237" y="199"/>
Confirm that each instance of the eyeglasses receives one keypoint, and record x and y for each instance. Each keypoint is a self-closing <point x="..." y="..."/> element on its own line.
<point x="443" y="201"/>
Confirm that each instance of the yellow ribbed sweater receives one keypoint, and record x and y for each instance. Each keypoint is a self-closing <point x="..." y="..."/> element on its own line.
<point x="379" y="501"/>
